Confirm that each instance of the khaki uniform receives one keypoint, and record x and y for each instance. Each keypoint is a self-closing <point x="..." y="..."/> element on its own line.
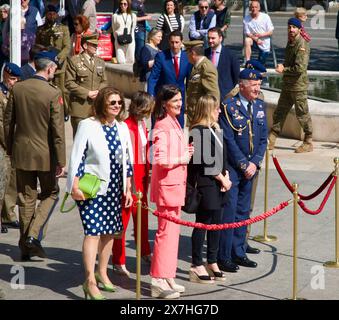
<point x="57" y="36"/>
<point x="294" y="87"/>
<point x="83" y="76"/>
<point x="35" y="138"/>
<point x="203" y="80"/>
<point x="9" y="199"/>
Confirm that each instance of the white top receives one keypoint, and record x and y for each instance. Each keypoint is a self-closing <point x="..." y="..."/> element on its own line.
<point x="118" y="23"/>
<point x="261" y="24"/>
<point x="91" y="134"/>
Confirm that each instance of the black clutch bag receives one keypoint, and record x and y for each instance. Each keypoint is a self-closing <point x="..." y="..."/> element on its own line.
<point x="192" y="199"/>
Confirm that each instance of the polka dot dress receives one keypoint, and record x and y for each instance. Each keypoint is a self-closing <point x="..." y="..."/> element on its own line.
<point x="102" y="215"/>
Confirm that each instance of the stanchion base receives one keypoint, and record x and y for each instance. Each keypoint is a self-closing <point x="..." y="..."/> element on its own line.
<point x="331" y="264"/>
<point x="265" y="239"/>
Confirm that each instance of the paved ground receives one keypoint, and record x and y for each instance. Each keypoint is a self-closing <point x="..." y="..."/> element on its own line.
<point x="60" y="276"/>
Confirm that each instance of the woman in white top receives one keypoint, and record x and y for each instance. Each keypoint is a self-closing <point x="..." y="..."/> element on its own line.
<point x="124" y="20"/>
<point x="102" y="147"/>
<point x="169" y="21"/>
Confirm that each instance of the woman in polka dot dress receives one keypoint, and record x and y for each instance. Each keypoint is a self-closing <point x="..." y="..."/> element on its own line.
<point x="102" y="146"/>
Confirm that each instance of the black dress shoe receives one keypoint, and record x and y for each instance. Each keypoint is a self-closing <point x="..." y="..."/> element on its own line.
<point x="252" y="250"/>
<point x="228" y="266"/>
<point x="245" y="262"/>
<point x="4" y="229"/>
<point x="25" y="257"/>
<point x="12" y="225"/>
<point x="36" y="248"/>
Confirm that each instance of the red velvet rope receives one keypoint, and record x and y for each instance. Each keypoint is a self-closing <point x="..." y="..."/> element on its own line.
<point x="213" y="227"/>
<point x="321" y="207"/>
<point x="290" y="188"/>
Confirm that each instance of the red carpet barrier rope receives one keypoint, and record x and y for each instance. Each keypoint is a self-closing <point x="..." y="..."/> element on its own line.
<point x="289" y="186"/>
<point x="213" y="227"/>
<point x="321" y="207"/>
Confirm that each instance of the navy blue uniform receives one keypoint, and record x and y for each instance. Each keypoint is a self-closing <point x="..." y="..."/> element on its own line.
<point x="246" y="138"/>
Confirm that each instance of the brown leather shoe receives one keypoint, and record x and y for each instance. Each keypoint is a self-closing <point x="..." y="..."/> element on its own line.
<point x="305" y="147"/>
<point x="272" y="138"/>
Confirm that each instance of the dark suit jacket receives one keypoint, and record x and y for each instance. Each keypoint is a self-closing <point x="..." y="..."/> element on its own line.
<point x="163" y="73"/>
<point x="209" y="160"/>
<point x="228" y="70"/>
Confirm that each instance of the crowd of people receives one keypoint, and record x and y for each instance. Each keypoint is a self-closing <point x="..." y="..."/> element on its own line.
<point x="196" y="83"/>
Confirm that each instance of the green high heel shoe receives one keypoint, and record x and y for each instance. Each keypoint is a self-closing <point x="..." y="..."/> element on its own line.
<point x="89" y="296"/>
<point x="105" y="286"/>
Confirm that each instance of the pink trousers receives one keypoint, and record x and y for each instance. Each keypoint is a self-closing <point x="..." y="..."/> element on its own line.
<point x="165" y="249"/>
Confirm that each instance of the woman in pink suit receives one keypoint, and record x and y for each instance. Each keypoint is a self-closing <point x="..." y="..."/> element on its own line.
<point x="140" y="109"/>
<point x="171" y="155"/>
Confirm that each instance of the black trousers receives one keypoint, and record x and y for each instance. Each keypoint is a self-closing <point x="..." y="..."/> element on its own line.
<point x="198" y="237"/>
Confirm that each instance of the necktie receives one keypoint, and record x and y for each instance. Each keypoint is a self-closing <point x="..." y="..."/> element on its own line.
<point x="176" y="66"/>
<point x="249" y="110"/>
<point x="214" y="57"/>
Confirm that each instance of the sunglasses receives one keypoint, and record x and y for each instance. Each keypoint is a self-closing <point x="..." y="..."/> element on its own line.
<point x="115" y="102"/>
<point x="202" y="7"/>
<point x="124" y="4"/>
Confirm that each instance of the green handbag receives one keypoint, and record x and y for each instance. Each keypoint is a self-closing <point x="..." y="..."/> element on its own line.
<point x="89" y="184"/>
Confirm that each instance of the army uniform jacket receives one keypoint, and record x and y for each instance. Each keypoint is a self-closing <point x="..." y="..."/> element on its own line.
<point x="246" y="140"/>
<point x="57" y="36"/>
<point x="297" y="55"/>
<point x="81" y="78"/>
<point x="34" y="126"/>
<point x="3" y="102"/>
<point x="203" y="80"/>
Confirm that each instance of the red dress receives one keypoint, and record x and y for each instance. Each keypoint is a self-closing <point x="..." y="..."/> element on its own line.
<point x="140" y="175"/>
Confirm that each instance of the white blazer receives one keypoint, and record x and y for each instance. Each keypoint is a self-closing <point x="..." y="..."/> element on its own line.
<point x="91" y="134"/>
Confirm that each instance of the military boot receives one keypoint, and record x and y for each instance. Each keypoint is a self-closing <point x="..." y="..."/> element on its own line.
<point x="271" y="140"/>
<point x="307" y="146"/>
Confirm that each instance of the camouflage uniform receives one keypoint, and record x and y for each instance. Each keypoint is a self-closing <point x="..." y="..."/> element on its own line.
<point x="294" y="91"/>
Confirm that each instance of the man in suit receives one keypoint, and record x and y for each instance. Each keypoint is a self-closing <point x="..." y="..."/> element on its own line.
<point x="85" y="76"/>
<point x="35" y="137"/>
<point x="243" y="121"/>
<point x="224" y="60"/>
<point x="203" y="78"/>
<point x="11" y="75"/>
<point x="171" y="67"/>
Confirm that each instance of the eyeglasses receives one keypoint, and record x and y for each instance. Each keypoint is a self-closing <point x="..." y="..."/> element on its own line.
<point x="203" y="7"/>
<point x="115" y="102"/>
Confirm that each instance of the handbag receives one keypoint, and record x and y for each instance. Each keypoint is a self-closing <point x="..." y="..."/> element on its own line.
<point x="89" y="184"/>
<point x="125" y="38"/>
<point x="192" y="199"/>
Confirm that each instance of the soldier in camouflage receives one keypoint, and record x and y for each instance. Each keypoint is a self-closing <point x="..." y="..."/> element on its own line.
<point x="294" y="87"/>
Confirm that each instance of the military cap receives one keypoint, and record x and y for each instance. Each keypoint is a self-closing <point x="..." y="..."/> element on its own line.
<point x="90" y="38"/>
<point x="193" y="43"/>
<point x="12" y="69"/>
<point x="51" y="8"/>
<point x="250" y="74"/>
<point x="295" y="22"/>
<point x="49" y="55"/>
<point x="255" y="65"/>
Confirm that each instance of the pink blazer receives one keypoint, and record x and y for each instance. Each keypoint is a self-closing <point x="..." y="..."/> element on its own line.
<point x="168" y="180"/>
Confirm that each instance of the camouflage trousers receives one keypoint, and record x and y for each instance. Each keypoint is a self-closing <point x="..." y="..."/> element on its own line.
<point x="286" y="101"/>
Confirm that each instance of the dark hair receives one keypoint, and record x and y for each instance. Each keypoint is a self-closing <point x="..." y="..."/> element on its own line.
<point x="217" y="30"/>
<point x="36" y="49"/>
<point x="100" y="104"/>
<point x="129" y="9"/>
<point x="83" y="20"/>
<point x="176" y="33"/>
<point x="141" y="106"/>
<point x="166" y="93"/>
<point x="176" y="8"/>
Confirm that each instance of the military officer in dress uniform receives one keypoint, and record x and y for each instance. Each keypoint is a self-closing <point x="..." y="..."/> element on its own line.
<point x="203" y="78"/>
<point x="85" y="76"/>
<point x="243" y="121"/>
<point x="294" y="87"/>
<point x="56" y="35"/>
<point x="35" y="140"/>
<point x="11" y="75"/>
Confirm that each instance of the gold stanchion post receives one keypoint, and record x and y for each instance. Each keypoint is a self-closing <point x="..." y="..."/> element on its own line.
<point x="265" y="237"/>
<point x="335" y="264"/>
<point x="138" y="275"/>
<point x="295" y="243"/>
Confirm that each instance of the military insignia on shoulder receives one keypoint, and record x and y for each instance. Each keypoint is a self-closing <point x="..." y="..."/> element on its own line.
<point x="60" y="100"/>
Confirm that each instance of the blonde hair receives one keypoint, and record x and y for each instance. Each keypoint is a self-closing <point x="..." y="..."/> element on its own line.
<point x="203" y="112"/>
<point x="300" y="12"/>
